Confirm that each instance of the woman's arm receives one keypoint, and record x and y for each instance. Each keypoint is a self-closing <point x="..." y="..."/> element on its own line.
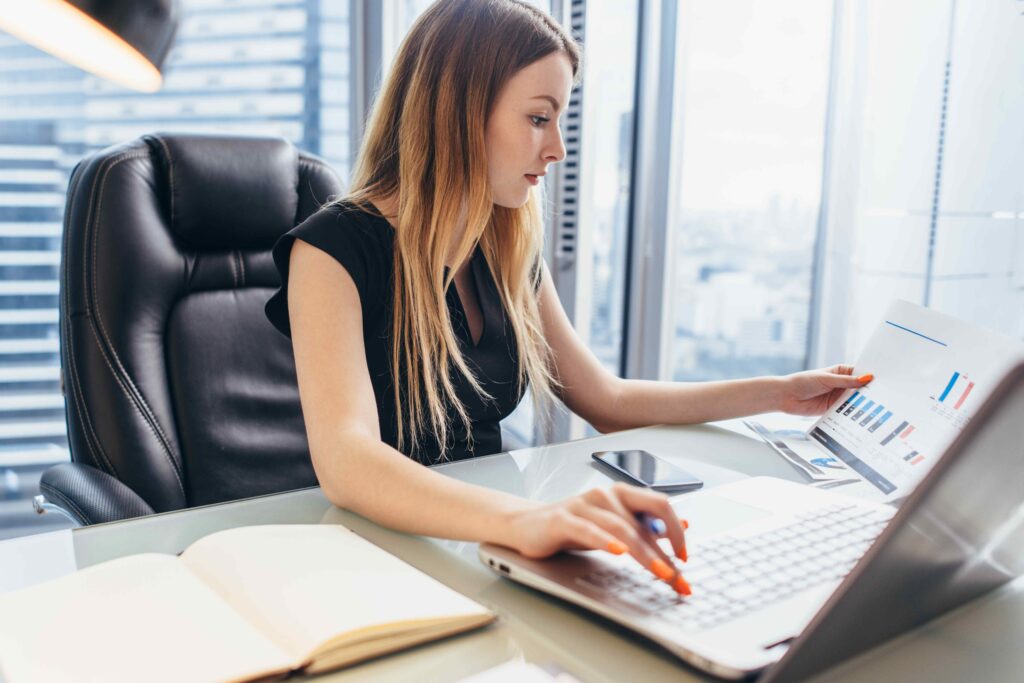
<point x="612" y="404"/>
<point x="355" y="468"/>
<point x="357" y="471"/>
<point x="643" y="402"/>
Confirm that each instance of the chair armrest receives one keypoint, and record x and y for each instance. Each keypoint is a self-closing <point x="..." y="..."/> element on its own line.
<point x="89" y="496"/>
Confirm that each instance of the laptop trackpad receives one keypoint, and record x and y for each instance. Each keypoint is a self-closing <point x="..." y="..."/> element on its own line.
<point x="709" y="514"/>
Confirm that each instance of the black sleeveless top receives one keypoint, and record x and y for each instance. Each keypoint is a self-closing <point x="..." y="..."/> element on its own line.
<point x="364" y="244"/>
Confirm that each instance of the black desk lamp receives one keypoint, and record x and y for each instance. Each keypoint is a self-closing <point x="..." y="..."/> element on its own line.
<point x="124" y="41"/>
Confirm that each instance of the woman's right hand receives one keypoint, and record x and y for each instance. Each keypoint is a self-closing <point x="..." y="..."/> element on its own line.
<point x="603" y="519"/>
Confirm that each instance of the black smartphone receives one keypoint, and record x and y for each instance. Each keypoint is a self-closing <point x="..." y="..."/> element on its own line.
<point x="647" y="470"/>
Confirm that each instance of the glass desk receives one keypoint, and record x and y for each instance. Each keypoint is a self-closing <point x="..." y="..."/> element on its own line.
<point x="978" y="642"/>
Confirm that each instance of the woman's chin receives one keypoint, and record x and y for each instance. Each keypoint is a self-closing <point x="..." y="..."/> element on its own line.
<point x="513" y="202"/>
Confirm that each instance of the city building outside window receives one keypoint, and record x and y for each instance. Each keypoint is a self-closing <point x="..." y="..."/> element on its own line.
<point x="245" y="67"/>
<point x="754" y="79"/>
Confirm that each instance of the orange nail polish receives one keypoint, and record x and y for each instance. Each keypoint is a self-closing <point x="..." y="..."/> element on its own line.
<point x="865" y="378"/>
<point x="682" y="555"/>
<point x="616" y="548"/>
<point x="684" y="523"/>
<point x="661" y="570"/>
<point x="682" y="587"/>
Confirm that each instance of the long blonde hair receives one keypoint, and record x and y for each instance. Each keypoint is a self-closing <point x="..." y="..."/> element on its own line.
<point x="424" y="145"/>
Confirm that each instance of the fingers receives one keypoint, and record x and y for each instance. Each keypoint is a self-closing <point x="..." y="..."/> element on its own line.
<point x="623" y="502"/>
<point x="606" y="500"/>
<point x="656" y="505"/>
<point x="842" y="376"/>
<point x="642" y="547"/>
<point x="850" y="382"/>
<point x="585" y="534"/>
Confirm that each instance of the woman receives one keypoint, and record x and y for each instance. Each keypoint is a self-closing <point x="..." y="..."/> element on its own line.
<point x="419" y="307"/>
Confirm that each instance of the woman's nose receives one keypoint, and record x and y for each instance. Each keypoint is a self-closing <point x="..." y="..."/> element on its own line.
<point x="555" y="151"/>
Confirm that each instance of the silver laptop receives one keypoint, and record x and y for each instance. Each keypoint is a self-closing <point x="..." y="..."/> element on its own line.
<point x="790" y="580"/>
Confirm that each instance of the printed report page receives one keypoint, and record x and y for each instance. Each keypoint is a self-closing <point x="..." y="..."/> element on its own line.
<point x="931" y="373"/>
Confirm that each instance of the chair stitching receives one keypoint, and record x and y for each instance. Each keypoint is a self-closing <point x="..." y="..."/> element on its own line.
<point x="132" y="402"/>
<point x="241" y="266"/>
<point x="149" y="418"/>
<point x="82" y="410"/>
<point x="234" y="271"/>
<point x="49" y="490"/>
<point x="76" y="179"/>
<point x="170" y="172"/>
<point x="94" y="444"/>
<point x="93" y="288"/>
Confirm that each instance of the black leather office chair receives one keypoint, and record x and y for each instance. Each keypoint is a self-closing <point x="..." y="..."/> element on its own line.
<point x="178" y="390"/>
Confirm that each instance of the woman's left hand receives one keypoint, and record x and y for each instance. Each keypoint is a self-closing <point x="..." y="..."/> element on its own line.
<point x="811" y="392"/>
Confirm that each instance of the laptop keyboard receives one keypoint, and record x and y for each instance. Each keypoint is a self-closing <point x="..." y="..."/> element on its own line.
<point x="732" y="577"/>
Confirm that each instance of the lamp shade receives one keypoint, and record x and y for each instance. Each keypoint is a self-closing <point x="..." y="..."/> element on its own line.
<point x="124" y="41"/>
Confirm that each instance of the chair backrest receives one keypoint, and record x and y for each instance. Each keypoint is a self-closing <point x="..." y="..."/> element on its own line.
<point x="174" y="381"/>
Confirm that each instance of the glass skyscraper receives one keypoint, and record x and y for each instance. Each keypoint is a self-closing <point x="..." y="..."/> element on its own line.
<point x="241" y="67"/>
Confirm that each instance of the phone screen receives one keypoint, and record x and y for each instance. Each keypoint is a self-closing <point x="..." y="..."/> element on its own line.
<point x="646" y="469"/>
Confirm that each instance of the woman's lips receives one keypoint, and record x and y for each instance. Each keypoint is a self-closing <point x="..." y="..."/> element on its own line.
<point x="532" y="178"/>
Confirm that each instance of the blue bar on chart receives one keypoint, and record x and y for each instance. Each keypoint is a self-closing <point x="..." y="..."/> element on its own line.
<point x="874" y="413"/>
<point x="910" y="456"/>
<point x="867" y="406"/>
<point x="847" y="401"/>
<point x="856" y="403"/>
<point x="881" y="422"/>
<point x="895" y="432"/>
<point x="949" y="387"/>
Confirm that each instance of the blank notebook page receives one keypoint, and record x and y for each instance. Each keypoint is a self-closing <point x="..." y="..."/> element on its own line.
<point x="138" y="618"/>
<point x="304" y="584"/>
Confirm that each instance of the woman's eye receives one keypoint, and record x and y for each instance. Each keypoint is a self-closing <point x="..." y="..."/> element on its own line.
<point x="539" y="120"/>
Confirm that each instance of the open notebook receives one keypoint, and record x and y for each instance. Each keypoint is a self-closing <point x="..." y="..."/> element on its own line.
<point x="237" y="605"/>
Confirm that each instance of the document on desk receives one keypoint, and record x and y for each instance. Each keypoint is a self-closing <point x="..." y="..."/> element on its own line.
<point x="931" y="373"/>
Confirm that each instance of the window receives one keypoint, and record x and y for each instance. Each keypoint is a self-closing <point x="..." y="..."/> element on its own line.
<point x="591" y="218"/>
<point x="606" y="177"/>
<point x="255" y="67"/>
<point x="755" y="87"/>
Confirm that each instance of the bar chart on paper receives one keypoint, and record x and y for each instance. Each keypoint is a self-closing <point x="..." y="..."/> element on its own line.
<point x="950" y="403"/>
<point x="931" y="373"/>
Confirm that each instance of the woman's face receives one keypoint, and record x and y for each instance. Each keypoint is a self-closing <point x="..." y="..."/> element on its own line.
<point x="522" y="135"/>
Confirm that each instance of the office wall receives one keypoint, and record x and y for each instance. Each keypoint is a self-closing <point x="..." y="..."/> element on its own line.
<point x="925" y="180"/>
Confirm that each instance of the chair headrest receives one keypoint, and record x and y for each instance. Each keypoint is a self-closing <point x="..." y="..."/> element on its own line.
<point x="229" y="192"/>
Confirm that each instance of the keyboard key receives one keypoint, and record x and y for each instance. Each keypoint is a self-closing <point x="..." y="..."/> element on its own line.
<point x="713" y="584"/>
<point x="740" y="591"/>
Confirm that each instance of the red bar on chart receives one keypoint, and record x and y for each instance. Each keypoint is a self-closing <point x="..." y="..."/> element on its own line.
<point x="906" y="432"/>
<point x="917" y="460"/>
<point x="963" y="396"/>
